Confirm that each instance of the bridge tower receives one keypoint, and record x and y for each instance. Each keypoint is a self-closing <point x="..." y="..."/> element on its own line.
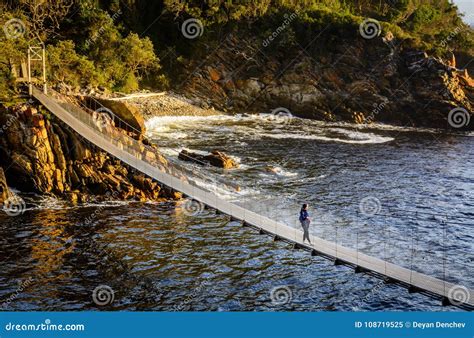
<point x="36" y="53"/>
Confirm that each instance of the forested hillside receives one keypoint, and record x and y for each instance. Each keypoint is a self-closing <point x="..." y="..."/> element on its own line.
<point x="116" y="44"/>
<point x="325" y="59"/>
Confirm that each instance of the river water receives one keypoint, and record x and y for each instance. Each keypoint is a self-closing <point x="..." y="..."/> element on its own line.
<point x="401" y="194"/>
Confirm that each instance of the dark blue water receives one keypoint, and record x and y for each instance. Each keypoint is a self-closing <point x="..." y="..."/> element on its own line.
<point x="402" y="195"/>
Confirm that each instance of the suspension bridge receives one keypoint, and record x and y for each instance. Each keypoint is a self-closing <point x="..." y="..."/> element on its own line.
<point x="144" y="159"/>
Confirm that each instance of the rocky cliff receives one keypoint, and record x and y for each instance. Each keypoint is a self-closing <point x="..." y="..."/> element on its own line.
<point x="353" y="80"/>
<point x="43" y="155"/>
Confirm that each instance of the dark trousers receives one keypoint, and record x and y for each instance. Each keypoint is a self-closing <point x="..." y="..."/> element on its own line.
<point x="305" y="225"/>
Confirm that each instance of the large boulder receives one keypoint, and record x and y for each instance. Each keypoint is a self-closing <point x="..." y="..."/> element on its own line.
<point x="127" y="112"/>
<point x="215" y="158"/>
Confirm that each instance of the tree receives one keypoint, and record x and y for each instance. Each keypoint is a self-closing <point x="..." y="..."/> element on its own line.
<point x="137" y="53"/>
<point x="66" y="66"/>
<point x="45" y="15"/>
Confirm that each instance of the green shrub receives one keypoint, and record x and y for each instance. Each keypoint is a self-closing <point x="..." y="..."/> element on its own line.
<point x="66" y="66"/>
<point x="423" y="16"/>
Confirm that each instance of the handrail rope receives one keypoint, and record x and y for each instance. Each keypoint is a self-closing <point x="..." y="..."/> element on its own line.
<point x="424" y="219"/>
<point x="100" y="106"/>
<point x="411" y="211"/>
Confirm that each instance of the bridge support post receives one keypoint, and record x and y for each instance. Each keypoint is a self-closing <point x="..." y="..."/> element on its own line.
<point x="45" y="86"/>
<point x="359" y="269"/>
<point x="296" y="246"/>
<point x="30" y="85"/>
<point x="413" y="289"/>
<point x="208" y="207"/>
<point x="445" y="302"/>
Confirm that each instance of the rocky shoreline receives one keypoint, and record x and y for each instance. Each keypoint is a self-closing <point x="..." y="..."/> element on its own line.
<point x="357" y="81"/>
<point x="170" y="104"/>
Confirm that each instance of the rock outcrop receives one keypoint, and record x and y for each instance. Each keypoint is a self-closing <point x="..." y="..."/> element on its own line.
<point x="4" y="192"/>
<point x="215" y="158"/>
<point x="356" y="80"/>
<point x="45" y="156"/>
<point x="125" y="111"/>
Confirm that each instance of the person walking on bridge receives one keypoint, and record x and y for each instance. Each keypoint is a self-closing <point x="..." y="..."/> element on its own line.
<point x="305" y="222"/>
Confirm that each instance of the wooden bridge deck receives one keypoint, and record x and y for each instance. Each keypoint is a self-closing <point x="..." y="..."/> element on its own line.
<point x="131" y="152"/>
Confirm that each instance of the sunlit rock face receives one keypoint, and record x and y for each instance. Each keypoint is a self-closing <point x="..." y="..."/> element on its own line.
<point x="4" y="192"/>
<point x="43" y="155"/>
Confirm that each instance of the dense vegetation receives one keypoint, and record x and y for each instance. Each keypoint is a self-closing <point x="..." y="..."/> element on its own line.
<point x="115" y="44"/>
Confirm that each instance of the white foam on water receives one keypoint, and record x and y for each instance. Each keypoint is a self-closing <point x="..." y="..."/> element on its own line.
<point x="278" y="171"/>
<point x="161" y="123"/>
<point x="174" y="135"/>
<point x="157" y="122"/>
<point x="197" y="151"/>
<point x="370" y="138"/>
<point x="310" y="179"/>
<point x="44" y="202"/>
<point x="223" y="190"/>
<point x="170" y="151"/>
<point x="354" y="135"/>
<point x="160" y="129"/>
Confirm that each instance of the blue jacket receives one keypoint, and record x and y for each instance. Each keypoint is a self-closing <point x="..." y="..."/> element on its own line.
<point x="303" y="215"/>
